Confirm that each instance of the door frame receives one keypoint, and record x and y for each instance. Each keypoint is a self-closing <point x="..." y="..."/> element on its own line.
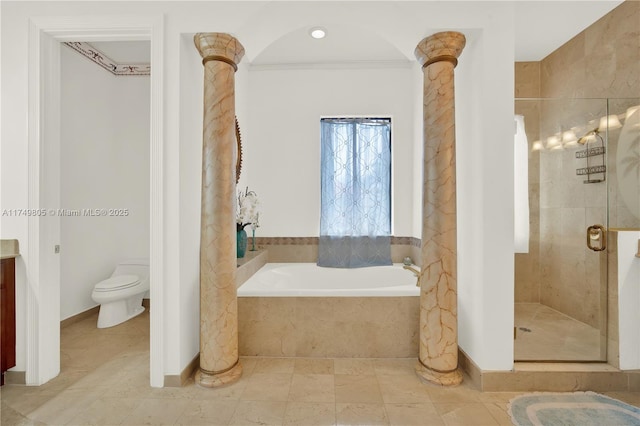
<point x="43" y="269"/>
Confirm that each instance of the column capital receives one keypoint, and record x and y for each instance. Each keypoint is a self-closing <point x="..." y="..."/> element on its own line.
<point x="220" y="47"/>
<point x="443" y="46"/>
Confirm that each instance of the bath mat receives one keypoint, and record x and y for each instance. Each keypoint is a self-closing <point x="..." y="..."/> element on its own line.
<point x="568" y="409"/>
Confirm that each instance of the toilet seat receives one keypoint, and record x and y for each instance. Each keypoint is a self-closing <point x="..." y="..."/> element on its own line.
<point x="119" y="282"/>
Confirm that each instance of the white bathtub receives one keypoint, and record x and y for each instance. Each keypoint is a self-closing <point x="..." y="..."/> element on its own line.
<point x="310" y="280"/>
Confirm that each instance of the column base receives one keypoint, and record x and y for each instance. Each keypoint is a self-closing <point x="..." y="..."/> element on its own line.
<point x="450" y="378"/>
<point x="209" y="380"/>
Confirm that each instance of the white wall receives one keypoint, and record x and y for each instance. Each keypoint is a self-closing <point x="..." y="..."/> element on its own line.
<point x="486" y="276"/>
<point x="283" y="142"/>
<point x="628" y="299"/>
<point x="104" y="165"/>
<point x="484" y="156"/>
<point x="191" y="96"/>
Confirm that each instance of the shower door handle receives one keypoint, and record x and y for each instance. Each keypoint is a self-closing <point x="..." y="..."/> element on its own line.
<point x="596" y="234"/>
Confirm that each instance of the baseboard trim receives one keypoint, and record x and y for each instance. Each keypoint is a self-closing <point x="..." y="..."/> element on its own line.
<point x="466" y="364"/>
<point x="79" y="317"/>
<point x="82" y="315"/>
<point x="177" y="381"/>
<point x="15" y="377"/>
<point x="550" y="377"/>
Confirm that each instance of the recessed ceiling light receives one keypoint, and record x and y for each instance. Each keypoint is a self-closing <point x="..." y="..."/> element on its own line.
<point x="317" y="32"/>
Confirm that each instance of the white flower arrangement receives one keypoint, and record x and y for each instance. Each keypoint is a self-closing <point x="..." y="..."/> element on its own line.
<point x="248" y="212"/>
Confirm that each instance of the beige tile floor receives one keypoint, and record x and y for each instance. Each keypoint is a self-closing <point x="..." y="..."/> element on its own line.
<point x="105" y="381"/>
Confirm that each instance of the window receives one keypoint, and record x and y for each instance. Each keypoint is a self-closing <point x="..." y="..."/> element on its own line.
<point x="355" y="191"/>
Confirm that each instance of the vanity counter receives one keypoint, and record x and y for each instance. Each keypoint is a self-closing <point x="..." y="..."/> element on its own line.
<point x="9" y="249"/>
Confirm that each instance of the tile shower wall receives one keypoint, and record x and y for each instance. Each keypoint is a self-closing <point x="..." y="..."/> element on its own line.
<point x="601" y="62"/>
<point x="570" y="274"/>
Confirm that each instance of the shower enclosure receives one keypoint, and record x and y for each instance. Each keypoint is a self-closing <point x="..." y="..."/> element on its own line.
<point x="583" y="180"/>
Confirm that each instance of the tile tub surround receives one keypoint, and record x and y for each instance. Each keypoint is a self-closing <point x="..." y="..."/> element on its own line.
<point x="329" y="326"/>
<point x="249" y="265"/>
<point x="305" y="249"/>
<point x="298" y="326"/>
<point x="438" y="358"/>
<point x="219" y="362"/>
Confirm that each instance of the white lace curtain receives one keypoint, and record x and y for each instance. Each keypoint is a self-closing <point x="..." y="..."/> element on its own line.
<point x="355" y="220"/>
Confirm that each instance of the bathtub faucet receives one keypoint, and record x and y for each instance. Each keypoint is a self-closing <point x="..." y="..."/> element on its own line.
<point x="415" y="272"/>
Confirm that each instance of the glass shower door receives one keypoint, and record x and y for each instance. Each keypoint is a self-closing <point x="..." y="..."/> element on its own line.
<point x="623" y="172"/>
<point x="561" y="283"/>
<point x="624" y="165"/>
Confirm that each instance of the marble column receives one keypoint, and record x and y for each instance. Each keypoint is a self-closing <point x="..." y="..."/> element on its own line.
<point x="219" y="361"/>
<point x="438" y="361"/>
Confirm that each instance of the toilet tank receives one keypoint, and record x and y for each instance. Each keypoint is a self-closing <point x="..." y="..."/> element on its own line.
<point x="139" y="267"/>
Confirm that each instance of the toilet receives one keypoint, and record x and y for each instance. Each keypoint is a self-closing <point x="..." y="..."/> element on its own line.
<point x="120" y="296"/>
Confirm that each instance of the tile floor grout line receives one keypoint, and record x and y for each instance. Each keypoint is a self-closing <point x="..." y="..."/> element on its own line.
<point x="123" y="370"/>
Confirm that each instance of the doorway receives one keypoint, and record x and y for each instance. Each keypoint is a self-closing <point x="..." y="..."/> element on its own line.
<point x="104" y="166"/>
<point x="42" y="329"/>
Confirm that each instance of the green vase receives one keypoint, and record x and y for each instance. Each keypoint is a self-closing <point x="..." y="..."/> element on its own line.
<point x="241" y="243"/>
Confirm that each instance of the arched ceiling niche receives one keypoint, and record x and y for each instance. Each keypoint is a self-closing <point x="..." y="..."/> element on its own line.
<point x="277" y="33"/>
<point x="342" y="44"/>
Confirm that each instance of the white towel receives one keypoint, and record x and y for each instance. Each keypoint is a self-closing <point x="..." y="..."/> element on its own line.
<point x="521" y="188"/>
